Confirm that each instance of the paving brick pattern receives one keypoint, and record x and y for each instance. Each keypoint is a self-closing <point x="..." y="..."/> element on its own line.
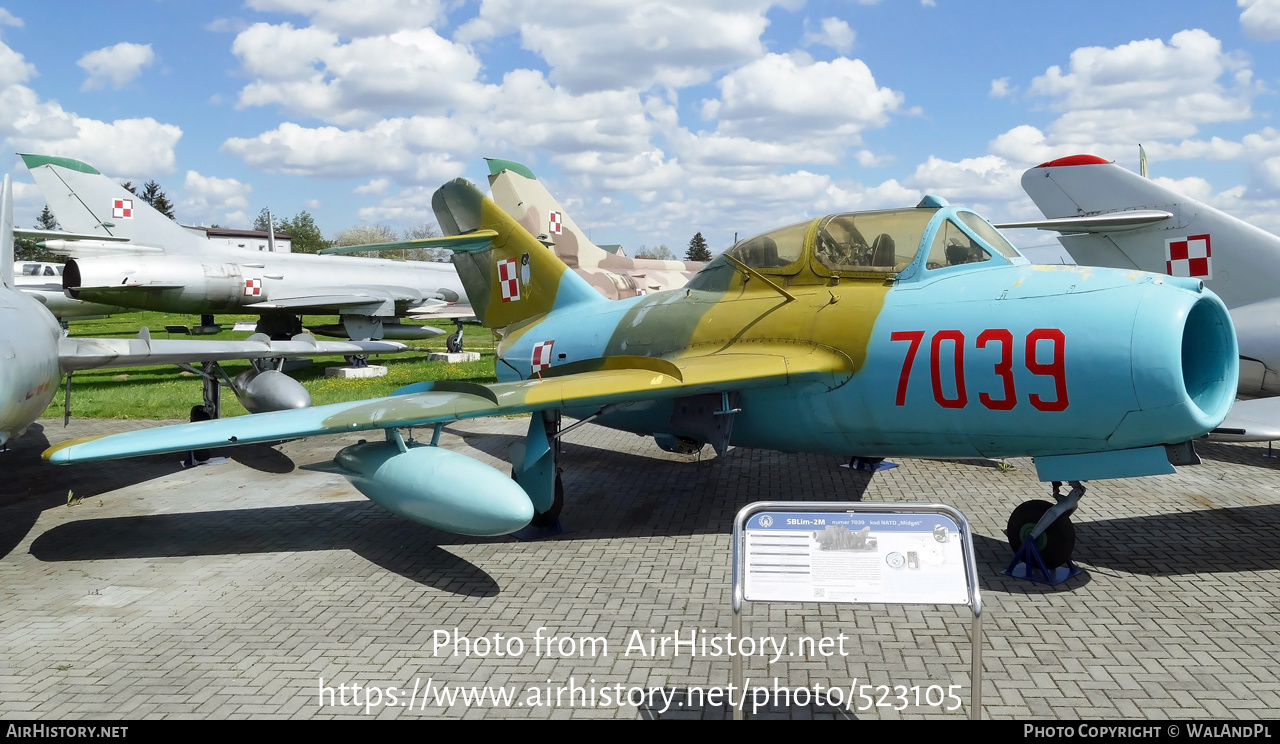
<point x="229" y="591"/>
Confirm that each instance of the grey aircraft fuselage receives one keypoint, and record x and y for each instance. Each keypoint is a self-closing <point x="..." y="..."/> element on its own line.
<point x="29" y="369"/>
<point x="127" y="253"/>
<point x="257" y="282"/>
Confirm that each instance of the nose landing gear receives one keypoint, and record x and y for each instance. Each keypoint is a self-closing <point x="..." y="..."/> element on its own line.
<point x="1042" y="537"/>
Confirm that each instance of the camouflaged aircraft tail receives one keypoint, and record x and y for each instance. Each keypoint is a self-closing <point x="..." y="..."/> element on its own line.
<point x="509" y="277"/>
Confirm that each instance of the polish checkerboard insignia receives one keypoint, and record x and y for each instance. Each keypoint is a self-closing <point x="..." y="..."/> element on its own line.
<point x="252" y="287"/>
<point x="509" y="280"/>
<point x="122" y="209"/>
<point x="541" y="356"/>
<point x="555" y="223"/>
<point x="1191" y="256"/>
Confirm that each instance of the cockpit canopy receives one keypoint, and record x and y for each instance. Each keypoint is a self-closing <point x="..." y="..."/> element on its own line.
<point x="880" y="242"/>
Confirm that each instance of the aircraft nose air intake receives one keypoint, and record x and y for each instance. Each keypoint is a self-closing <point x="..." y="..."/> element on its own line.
<point x="1210" y="359"/>
<point x="1185" y="365"/>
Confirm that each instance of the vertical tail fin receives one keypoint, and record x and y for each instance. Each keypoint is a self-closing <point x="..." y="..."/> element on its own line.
<point x="523" y="196"/>
<point x="89" y="203"/>
<point x="6" y="232"/>
<point x="1238" y="261"/>
<point x="510" y="277"/>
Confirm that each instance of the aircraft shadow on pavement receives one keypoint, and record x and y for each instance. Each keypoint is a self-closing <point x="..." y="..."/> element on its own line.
<point x="395" y="544"/>
<point x="32" y="485"/>
<point x="1239" y="454"/>
<point x="1226" y="540"/>
<point x="263" y="458"/>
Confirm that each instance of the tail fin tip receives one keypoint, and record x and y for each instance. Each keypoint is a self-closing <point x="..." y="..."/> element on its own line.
<point x="497" y="165"/>
<point x="35" y="161"/>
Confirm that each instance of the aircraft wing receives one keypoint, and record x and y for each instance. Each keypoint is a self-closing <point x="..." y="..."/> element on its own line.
<point x="317" y="301"/>
<point x="1130" y="219"/>
<point x="1255" y="420"/>
<point x="475" y="239"/>
<point x="94" y="353"/>
<point x="33" y="234"/>
<point x="588" y="384"/>
<point x="443" y="311"/>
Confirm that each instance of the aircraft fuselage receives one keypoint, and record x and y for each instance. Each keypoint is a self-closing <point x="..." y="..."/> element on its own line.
<point x="1000" y="361"/>
<point x="29" y="359"/>
<point x="218" y="282"/>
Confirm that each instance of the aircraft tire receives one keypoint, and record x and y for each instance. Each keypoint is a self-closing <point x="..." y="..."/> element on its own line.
<point x="1057" y="542"/>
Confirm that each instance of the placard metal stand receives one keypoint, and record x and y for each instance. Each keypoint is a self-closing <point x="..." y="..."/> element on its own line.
<point x="856" y="552"/>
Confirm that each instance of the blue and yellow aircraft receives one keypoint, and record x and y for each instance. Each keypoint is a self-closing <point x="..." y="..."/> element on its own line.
<point x="914" y="332"/>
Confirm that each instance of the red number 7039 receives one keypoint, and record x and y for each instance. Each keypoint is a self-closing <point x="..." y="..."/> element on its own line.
<point x="1057" y="368"/>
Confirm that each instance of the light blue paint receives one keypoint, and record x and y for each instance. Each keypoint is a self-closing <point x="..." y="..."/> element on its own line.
<point x="1130" y="463"/>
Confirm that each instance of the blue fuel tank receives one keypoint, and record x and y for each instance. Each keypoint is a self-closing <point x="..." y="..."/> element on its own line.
<point x="437" y="487"/>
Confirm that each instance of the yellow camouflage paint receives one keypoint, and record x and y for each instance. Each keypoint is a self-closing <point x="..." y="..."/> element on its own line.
<point x="741" y="365"/>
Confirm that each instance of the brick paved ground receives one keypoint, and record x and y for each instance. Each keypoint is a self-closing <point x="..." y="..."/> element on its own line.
<point x="230" y="590"/>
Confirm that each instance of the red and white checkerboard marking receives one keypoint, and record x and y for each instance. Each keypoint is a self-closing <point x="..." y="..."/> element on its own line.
<point x="541" y="356"/>
<point x="1191" y="256"/>
<point x="555" y="223"/>
<point x="122" y="209"/>
<point x="509" y="279"/>
<point x="252" y="287"/>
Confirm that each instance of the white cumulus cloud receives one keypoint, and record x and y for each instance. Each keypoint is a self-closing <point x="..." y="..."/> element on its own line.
<point x="1260" y="19"/>
<point x="211" y="199"/>
<point x="789" y="96"/>
<point x="835" y="33"/>
<point x="115" y="66"/>
<point x="358" y="17"/>
<point x="603" y="44"/>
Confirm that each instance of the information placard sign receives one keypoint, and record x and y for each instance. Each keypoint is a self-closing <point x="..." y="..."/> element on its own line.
<point x="873" y="557"/>
<point x="856" y="552"/>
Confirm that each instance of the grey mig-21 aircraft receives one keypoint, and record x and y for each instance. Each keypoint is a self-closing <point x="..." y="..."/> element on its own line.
<point x="127" y="253"/>
<point x="34" y="355"/>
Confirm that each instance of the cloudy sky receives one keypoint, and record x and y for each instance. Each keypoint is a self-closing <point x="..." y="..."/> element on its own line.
<point x="649" y="119"/>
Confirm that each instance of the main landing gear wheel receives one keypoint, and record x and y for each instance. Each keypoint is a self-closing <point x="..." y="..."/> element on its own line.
<point x="1055" y="544"/>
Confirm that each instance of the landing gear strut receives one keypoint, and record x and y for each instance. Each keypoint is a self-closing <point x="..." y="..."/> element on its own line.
<point x="453" y="344"/>
<point x="535" y="466"/>
<point x="1048" y="528"/>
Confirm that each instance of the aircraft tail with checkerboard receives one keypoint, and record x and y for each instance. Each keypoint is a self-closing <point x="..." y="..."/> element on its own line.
<point x="509" y="275"/>
<point x="90" y="205"/>
<point x="1110" y="216"/>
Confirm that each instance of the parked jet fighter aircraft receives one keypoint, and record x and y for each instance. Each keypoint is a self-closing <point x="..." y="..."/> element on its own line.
<point x="1109" y="216"/>
<point x="908" y="332"/>
<point x="34" y="356"/>
<point x="129" y="254"/>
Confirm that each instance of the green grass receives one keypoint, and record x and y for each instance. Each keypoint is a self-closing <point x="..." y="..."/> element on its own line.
<point x="166" y="392"/>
